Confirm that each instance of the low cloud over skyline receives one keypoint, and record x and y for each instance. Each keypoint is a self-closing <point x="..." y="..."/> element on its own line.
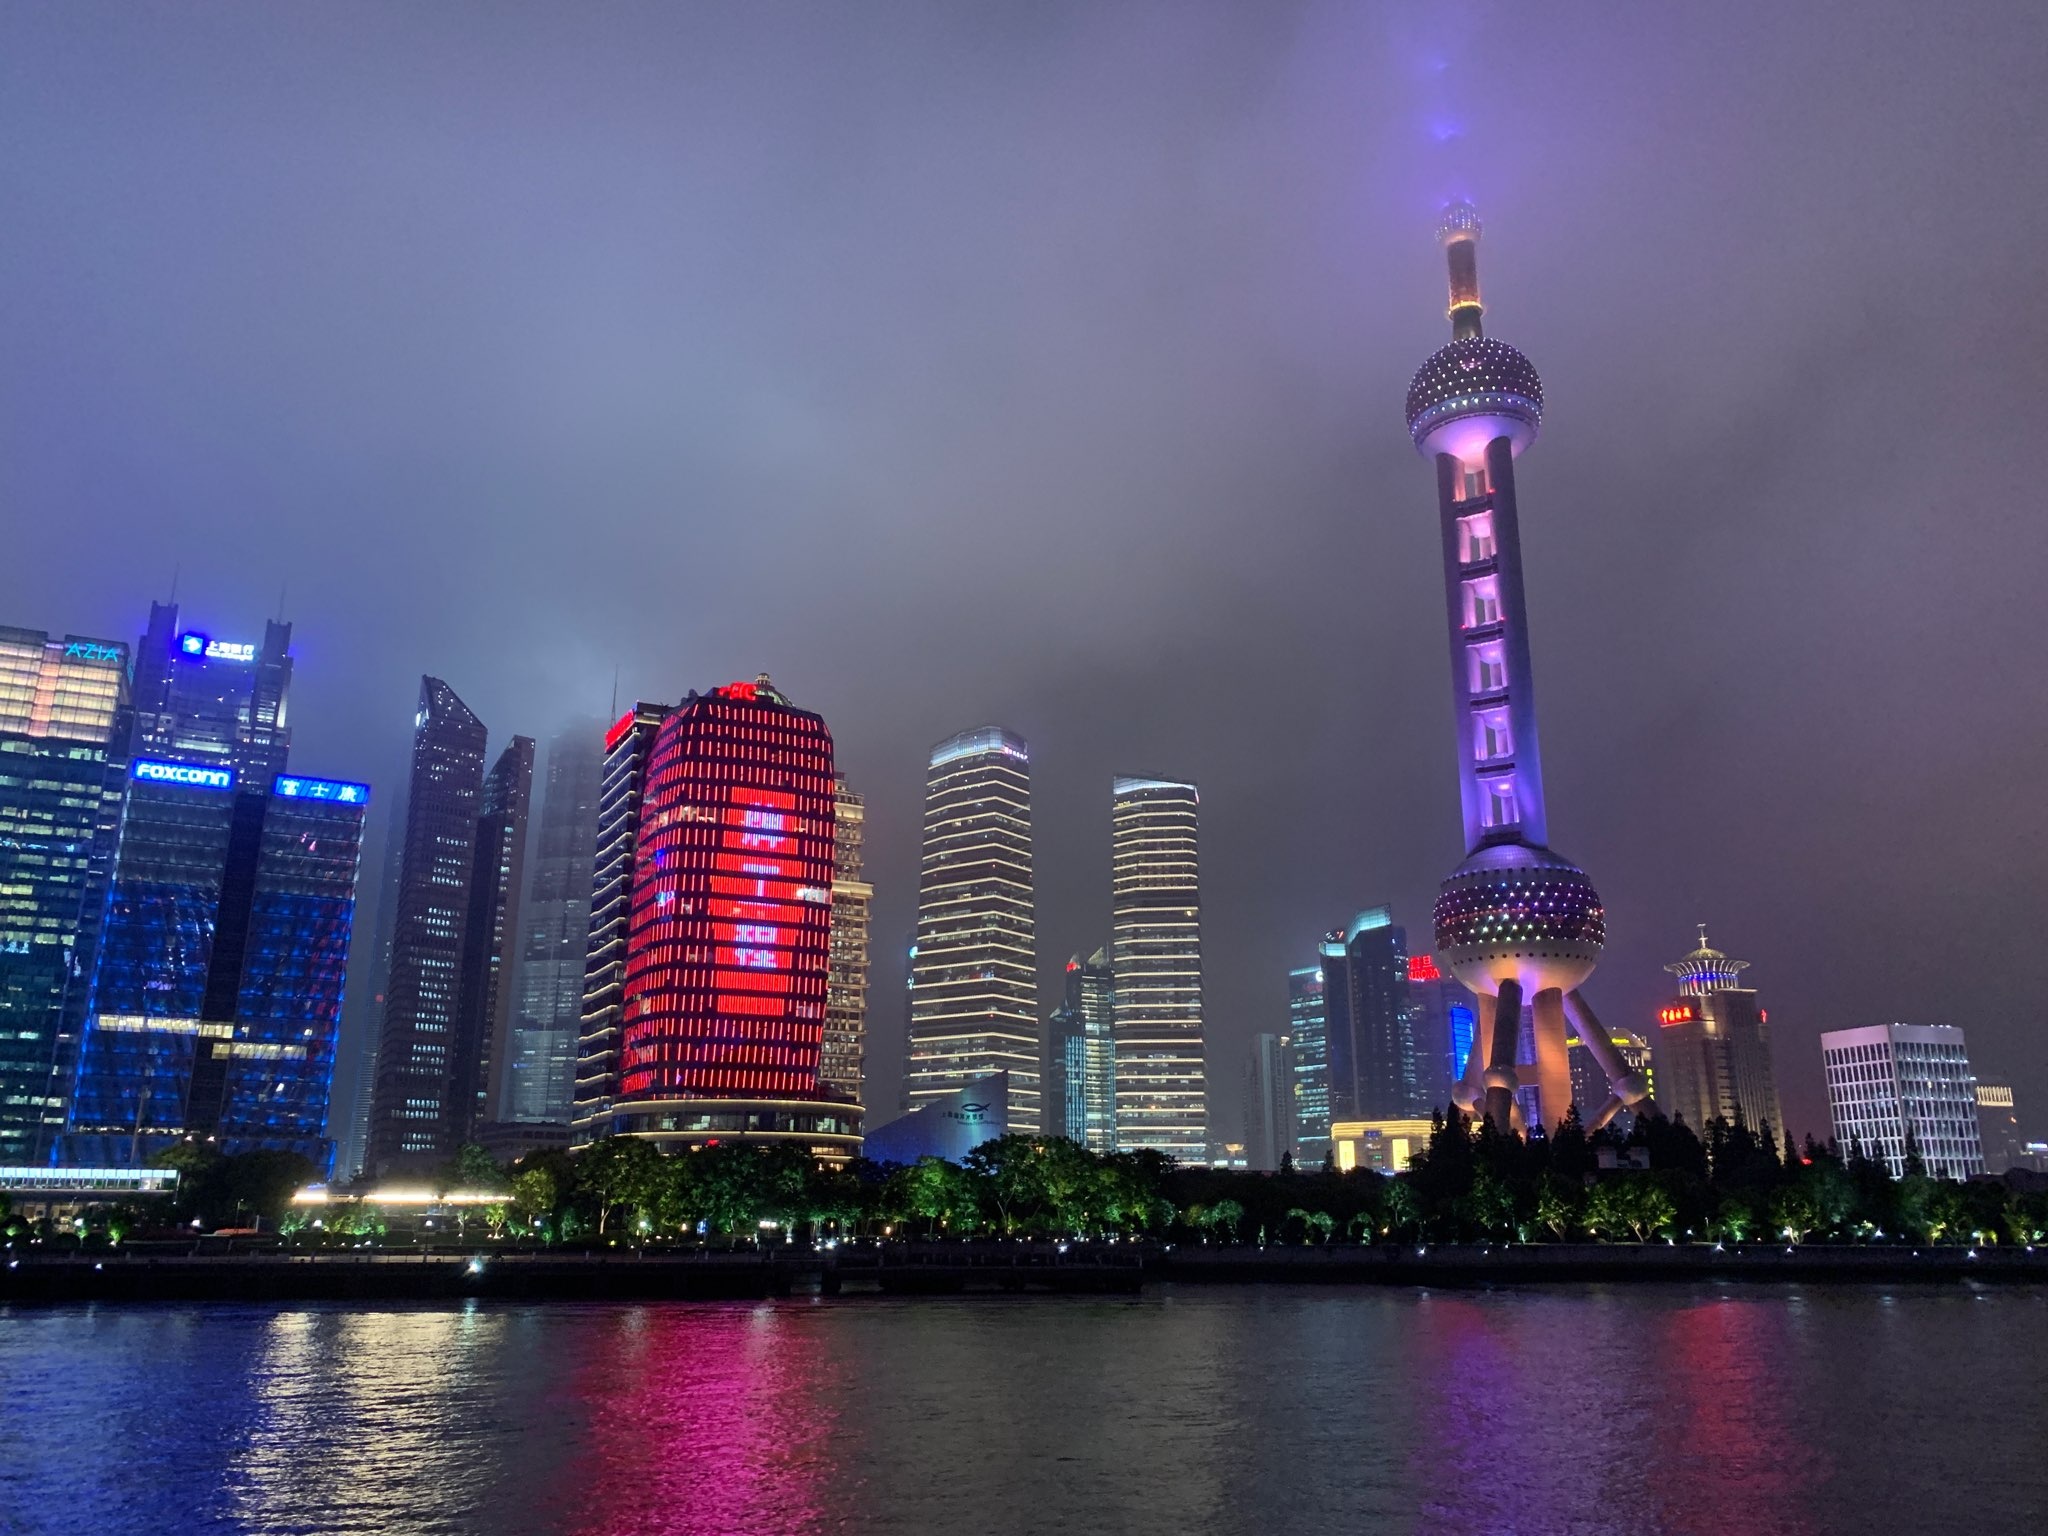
<point x="1044" y="365"/>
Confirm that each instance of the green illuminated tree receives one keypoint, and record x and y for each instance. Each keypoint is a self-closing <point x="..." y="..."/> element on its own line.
<point x="615" y="1171"/>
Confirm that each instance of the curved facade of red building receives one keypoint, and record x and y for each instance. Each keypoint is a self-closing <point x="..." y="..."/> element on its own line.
<point x="729" y="941"/>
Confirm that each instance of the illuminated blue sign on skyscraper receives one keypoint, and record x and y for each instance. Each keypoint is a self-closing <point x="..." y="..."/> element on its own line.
<point x="191" y="774"/>
<point x="321" y="789"/>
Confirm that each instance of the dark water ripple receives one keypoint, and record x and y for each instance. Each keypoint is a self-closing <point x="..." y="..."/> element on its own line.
<point x="1638" y="1410"/>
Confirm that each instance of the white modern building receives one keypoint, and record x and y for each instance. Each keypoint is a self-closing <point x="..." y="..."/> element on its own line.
<point x="974" y="972"/>
<point x="1156" y="918"/>
<point x="1888" y="1079"/>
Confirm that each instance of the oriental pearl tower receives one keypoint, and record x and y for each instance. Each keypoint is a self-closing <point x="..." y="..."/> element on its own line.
<point x="1516" y="922"/>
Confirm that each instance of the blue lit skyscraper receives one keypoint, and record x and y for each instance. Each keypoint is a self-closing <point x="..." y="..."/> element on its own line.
<point x="1308" y="1028"/>
<point x="203" y="699"/>
<point x="63" y="739"/>
<point x="219" y="986"/>
<point x="1098" y="1014"/>
<point x="1443" y="1025"/>
<point x="1370" y="1026"/>
<point x="1066" y="1062"/>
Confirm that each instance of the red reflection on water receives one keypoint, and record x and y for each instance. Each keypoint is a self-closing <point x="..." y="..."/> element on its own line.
<point x="1738" y="1457"/>
<point x="702" y="1421"/>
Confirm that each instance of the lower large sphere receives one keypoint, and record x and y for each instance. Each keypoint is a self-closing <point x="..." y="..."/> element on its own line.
<point x="1512" y="912"/>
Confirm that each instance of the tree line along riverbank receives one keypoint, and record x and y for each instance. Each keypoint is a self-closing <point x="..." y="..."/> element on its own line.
<point x="1470" y="1186"/>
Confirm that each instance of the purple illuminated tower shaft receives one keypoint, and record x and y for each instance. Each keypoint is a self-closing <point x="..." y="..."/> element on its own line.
<point x="1515" y="920"/>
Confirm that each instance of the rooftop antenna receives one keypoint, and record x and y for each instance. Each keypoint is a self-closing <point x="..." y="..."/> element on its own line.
<point x="176" y="569"/>
<point x="615" y="691"/>
<point x="281" y="588"/>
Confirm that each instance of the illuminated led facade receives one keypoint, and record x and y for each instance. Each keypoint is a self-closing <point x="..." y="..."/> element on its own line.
<point x="1384" y="1146"/>
<point x="974" y="976"/>
<point x="1370" y="1024"/>
<point x="64" y="727"/>
<point x="548" y="1014"/>
<point x="497" y="875"/>
<point x="728" y="946"/>
<point x="1713" y="1045"/>
<point x="846" y="988"/>
<point x="1156" y="926"/>
<point x="218" y="994"/>
<point x="1515" y="922"/>
<point x="424" y="1102"/>
<point x="1891" y="1080"/>
<point x="1308" y="1028"/>
<point x="627" y="747"/>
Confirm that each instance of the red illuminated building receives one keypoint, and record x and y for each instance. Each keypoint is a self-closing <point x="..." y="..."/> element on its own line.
<point x="728" y="942"/>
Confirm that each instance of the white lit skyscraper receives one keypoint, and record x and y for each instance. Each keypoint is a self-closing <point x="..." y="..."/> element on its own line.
<point x="1156" y="923"/>
<point x="974" y="976"/>
<point x="1891" y="1079"/>
<point x="846" y="983"/>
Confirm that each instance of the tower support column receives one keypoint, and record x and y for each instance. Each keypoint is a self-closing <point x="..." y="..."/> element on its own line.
<point x="1501" y="1081"/>
<point x="1553" y="1058"/>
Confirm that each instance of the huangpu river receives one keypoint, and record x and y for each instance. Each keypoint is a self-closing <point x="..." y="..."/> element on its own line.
<point x="1638" y="1409"/>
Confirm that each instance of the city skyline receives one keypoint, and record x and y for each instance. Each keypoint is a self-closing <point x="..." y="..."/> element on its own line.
<point x="1227" y="449"/>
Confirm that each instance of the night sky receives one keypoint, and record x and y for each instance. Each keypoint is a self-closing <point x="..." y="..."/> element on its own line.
<point x="1043" y="364"/>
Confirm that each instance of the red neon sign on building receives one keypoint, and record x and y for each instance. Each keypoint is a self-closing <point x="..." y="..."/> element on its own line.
<point x="730" y="937"/>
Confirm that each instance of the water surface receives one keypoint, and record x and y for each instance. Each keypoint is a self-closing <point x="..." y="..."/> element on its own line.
<point x="1629" y="1409"/>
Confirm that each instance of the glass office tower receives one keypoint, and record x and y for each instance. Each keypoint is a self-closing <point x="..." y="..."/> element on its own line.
<point x="550" y="1005"/>
<point x="421" y="1110"/>
<point x="64" y="723"/>
<point x="219" y="987"/>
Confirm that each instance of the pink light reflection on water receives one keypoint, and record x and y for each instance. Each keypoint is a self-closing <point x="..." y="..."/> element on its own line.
<point x="1736" y="1452"/>
<point x="704" y="1421"/>
<point x="1542" y="1415"/>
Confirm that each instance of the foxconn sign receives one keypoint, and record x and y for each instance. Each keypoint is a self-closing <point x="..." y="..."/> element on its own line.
<point x="183" y="773"/>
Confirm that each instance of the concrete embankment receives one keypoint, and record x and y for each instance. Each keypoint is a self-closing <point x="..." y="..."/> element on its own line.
<point x="436" y="1276"/>
<point x="1523" y="1263"/>
<point x="915" y="1269"/>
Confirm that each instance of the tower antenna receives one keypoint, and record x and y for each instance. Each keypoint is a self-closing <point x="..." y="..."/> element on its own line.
<point x="615" y="691"/>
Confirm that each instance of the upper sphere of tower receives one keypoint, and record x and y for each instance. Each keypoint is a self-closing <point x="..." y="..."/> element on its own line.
<point x="1459" y="218"/>
<point x="1471" y="392"/>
